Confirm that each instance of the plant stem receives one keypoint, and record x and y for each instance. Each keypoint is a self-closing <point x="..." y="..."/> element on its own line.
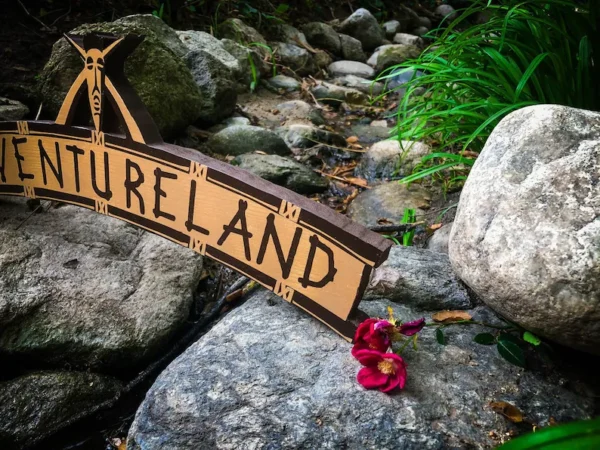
<point x="472" y="322"/>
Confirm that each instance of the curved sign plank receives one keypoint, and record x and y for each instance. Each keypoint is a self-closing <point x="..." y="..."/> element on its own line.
<point x="117" y="164"/>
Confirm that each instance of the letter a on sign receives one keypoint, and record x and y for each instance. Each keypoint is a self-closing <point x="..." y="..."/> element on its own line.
<point x="116" y="163"/>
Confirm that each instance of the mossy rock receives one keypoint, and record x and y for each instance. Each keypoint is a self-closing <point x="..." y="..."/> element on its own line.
<point x="155" y="69"/>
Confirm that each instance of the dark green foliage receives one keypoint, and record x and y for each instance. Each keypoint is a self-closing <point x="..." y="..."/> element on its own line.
<point x="529" y="52"/>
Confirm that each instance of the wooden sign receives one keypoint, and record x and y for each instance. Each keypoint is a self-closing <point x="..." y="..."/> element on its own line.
<point x="117" y="164"/>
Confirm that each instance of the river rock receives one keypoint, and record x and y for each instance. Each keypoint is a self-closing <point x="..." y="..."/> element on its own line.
<point x="306" y="136"/>
<point x="238" y="31"/>
<point x="409" y="39"/>
<point x="295" y="57"/>
<point x="299" y="110"/>
<point x="216" y="83"/>
<point x="392" y="55"/>
<point x="369" y="87"/>
<point x="425" y="22"/>
<point x="446" y="12"/>
<point x="244" y="55"/>
<point x="420" y="31"/>
<point x="240" y="139"/>
<point x="290" y="35"/>
<point x="352" y="49"/>
<point x="12" y="109"/>
<point x="322" y="59"/>
<point x="439" y="241"/>
<point x="391" y="27"/>
<point x="154" y="69"/>
<point x="389" y="158"/>
<point x="42" y="402"/>
<point x="269" y="375"/>
<point x="199" y="40"/>
<point x="285" y="83"/>
<point x="283" y="171"/>
<point x="322" y="36"/>
<point x="335" y="95"/>
<point x="364" y="27"/>
<point x="525" y="237"/>
<point x="418" y="278"/>
<point x="387" y="202"/>
<point x="87" y="290"/>
<point x="358" y="69"/>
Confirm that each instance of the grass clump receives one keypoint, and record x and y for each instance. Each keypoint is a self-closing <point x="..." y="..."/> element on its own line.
<point x="529" y="52"/>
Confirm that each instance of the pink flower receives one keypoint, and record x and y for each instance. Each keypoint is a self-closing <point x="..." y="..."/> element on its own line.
<point x="372" y="334"/>
<point x="383" y="371"/>
<point x="410" y="328"/>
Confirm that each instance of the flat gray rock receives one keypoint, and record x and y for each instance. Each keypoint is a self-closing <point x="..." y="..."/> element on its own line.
<point x="388" y="201"/>
<point x="307" y="136"/>
<point x="369" y="87"/>
<point x="295" y="57"/>
<point x="285" y="83"/>
<point x="439" y="241"/>
<point x="332" y="94"/>
<point x="526" y="233"/>
<point x="82" y="289"/>
<point x="419" y="278"/>
<point x="283" y="171"/>
<point x="240" y="139"/>
<point x="358" y="69"/>
<point x="268" y="375"/>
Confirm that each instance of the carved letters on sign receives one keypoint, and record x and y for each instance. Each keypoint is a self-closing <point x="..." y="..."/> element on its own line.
<point x="118" y="165"/>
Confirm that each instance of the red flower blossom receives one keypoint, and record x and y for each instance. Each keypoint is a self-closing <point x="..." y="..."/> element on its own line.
<point x="410" y="328"/>
<point x="372" y="334"/>
<point x="383" y="371"/>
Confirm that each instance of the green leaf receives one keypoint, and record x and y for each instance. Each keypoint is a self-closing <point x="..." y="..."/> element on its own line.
<point x="485" y="339"/>
<point x="531" y="338"/>
<point x="282" y="8"/>
<point x="439" y="335"/>
<point x="511" y="352"/>
<point x="581" y="435"/>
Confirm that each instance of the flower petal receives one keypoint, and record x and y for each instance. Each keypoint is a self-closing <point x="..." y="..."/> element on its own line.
<point x="364" y="329"/>
<point x="391" y="384"/>
<point x="371" y="378"/>
<point x="410" y="328"/>
<point x="368" y="357"/>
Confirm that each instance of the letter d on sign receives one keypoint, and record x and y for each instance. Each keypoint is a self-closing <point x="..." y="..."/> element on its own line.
<point x="331" y="270"/>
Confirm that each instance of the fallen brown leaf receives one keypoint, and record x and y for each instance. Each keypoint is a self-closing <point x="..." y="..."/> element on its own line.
<point x="451" y="316"/>
<point x="357" y="181"/>
<point x="511" y="412"/>
<point x="384" y="221"/>
<point x="352" y="139"/>
<point x="435" y="226"/>
<point x="259" y="152"/>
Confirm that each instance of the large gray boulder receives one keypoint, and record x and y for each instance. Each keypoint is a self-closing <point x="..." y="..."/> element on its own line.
<point x="526" y="233"/>
<point x="420" y="278"/>
<point x="42" y="402"/>
<point x="322" y="36"/>
<point x="155" y="70"/>
<point x="216" y="83"/>
<point x="362" y="25"/>
<point x="240" y="139"/>
<point x="387" y="202"/>
<point x="283" y="171"/>
<point x="271" y="376"/>
<point x="81" y="289"/>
